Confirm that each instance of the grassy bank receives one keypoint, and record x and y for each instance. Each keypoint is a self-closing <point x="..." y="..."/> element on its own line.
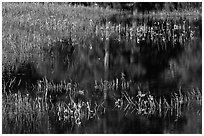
<point x="28" y="27"/>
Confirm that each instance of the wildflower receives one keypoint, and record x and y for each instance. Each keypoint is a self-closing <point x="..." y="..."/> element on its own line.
<point x="150" y="98"/>
<point x="76" y="114"/>
<point x="59" y="114"/>
<point x="140" y="94"/>
<point x="66" y="113"/>
<point x="96" y="85"/>
<point x="91" y="114"/>
<point x="119" y="103"/>
<point x="79" y="105"/>
<point x="69" y="86"/>
<point x="81" y="92"/>
<point x="78" y="122"/>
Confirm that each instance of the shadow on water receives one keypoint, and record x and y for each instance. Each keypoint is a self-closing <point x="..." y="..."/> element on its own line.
<point x="153" y="57"/>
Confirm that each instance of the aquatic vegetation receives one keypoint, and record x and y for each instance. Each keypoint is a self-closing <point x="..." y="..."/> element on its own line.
<point x="21" y="111"/>
<point x="160" y="31"/>
<point x="146" y="104"/>
<point x="77" y="111"/>
<point x="74" y="68"/>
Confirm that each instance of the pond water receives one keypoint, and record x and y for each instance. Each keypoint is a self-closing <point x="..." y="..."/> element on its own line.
<point x="138" y="75"/>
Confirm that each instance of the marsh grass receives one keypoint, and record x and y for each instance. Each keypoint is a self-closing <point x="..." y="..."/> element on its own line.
<point x="76" y="107"/>
<point x="144" y="103"/>
<point x="29" y="31"/>
<point x="30" y="27"/>
<point x="162" y="31"/>
<point x="70" y="106"/>
<point x="148" y="105"/>
<point x="20" y="111"/>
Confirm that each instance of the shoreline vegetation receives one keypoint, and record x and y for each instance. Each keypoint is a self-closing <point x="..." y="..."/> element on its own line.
<point x="29" y="30"/>
<point x="27" y="27"/>
<point x="27" y="110"/>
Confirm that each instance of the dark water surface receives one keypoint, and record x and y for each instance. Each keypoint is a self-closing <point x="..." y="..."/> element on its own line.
<point x="154" y="56"/>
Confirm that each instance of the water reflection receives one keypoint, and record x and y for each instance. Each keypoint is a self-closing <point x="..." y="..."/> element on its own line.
<point x="115" y="121"/>
<point x="148" y="52"/>
<point x="144" y="49"/>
